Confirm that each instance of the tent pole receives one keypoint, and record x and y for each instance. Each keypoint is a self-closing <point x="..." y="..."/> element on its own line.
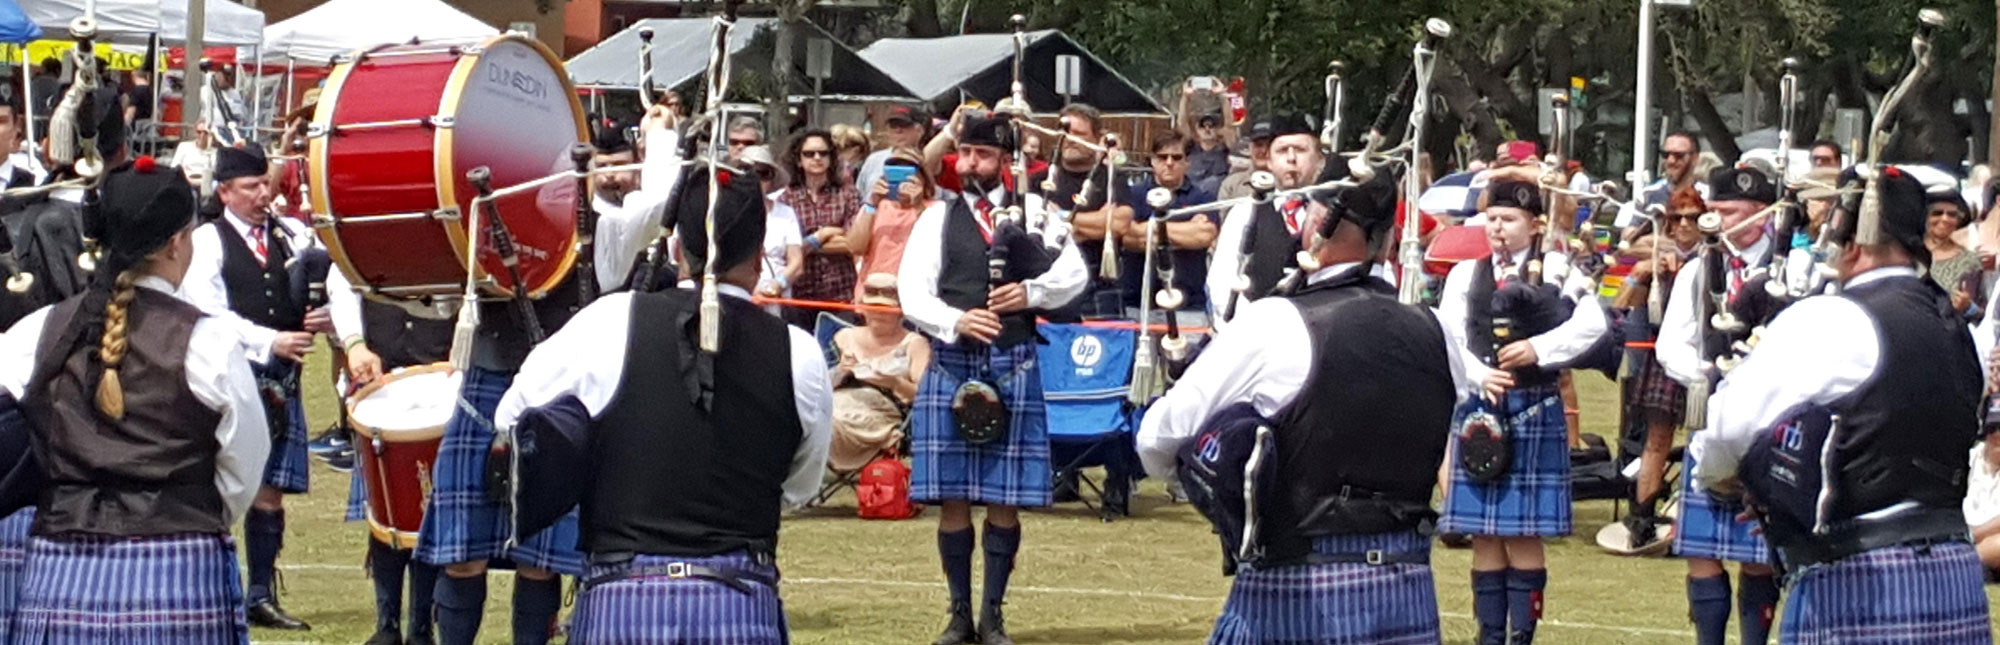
<point x="192" y="78"/>
<point x="158" y="53"/>
<point x="291" y="67"/>
<point x="256" y="89"/>
<point x="28" y="103"/>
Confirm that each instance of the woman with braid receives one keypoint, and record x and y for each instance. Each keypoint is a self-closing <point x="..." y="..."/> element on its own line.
<point x="144" y="418"/>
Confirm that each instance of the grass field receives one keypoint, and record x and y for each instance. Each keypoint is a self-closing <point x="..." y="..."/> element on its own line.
<point x="1151" y="578"/>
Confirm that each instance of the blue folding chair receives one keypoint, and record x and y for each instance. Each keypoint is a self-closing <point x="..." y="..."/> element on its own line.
<point x="1086" y="373"/>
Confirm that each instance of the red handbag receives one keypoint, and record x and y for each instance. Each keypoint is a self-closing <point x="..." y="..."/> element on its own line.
<point x="883" y="491"/>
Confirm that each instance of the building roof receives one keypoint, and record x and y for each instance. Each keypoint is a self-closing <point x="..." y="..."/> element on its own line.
<point x="936" y="69"/>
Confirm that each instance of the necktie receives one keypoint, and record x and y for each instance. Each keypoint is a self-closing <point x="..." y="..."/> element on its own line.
<point x="985" y="219"/>
<point x="1736" y="265"/>
<point x="257" y="235"/>
<point x="1291" y="211"/>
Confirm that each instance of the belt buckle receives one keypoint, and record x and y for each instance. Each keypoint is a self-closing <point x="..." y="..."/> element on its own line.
<point x="677" y="570"/>
<point x="1375" y="557"/>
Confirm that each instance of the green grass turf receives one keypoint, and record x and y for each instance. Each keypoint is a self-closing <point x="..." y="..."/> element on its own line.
<point x="1152" y="578"/>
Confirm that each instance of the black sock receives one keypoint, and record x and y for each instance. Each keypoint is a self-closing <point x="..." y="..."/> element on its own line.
<point x="385" y="566"/>
<point x="1001" y="545"/>
<point x="461" y="602"/>
<point x="1524" y="600"/>
<point x="1489" y="600"/>
<point x="263" y="538"/>
<point x="955" y="549"/>
<point x="423" y="588"/>
<point x="1756" y="602"/>
<point x="1708" y="608"/>
<point x="535" y="605"/>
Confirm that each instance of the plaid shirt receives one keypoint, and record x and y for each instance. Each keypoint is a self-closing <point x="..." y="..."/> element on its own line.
<point x="828" y="278"/>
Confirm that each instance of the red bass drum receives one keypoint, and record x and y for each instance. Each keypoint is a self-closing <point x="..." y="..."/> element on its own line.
<point x="397" y="129"/>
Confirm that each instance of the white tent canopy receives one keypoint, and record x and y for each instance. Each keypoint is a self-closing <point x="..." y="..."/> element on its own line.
<point x="341" y="26"/>
<point x="134" y="21"/>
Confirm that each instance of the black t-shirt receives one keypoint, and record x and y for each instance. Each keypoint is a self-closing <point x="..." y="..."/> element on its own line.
<point x="1068" y="186"/>
<point x="142" y="99"/>
<point x="1190" y="265"/>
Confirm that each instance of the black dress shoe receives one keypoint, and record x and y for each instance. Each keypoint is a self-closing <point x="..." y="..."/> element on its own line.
<point x="993" y="628"/>
<point x="266" y="613"/>
<point x="420" y="639"/>
<point x="960" y="630"/>
<point x="385" y="636"/>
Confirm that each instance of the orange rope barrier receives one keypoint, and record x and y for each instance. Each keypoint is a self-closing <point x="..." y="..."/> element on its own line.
<point x="843" y="306"/>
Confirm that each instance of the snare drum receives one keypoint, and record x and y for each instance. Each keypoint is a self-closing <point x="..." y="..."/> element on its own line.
<point x="397" y="129"/>
<point x="400" y="421"/>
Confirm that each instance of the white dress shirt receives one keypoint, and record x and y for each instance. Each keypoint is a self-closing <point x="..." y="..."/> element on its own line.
<point x="343" y="303"/>
<point x="217" y="374"/>
<point x="204" y="287"/>
<point x="1679" y="345"/>
<point x="1817" y="351"/>
<point x="586" y="359"/>
<point x="923" y="259"/>
<point x="1568" y="341"/>
<point x="1267" y="365"/>
<point x="1227" y="253"/>
<point x="624" y="231"/>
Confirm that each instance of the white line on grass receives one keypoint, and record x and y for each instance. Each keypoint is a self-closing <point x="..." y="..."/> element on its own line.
<point x="1085" y="591"/>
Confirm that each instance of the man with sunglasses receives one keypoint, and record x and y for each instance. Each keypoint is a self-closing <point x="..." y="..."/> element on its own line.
<point x="1678" y="153"/>
<point x="743" y="133"/>
<point x="1190" y="240"/>
<point x="907" y="128"/>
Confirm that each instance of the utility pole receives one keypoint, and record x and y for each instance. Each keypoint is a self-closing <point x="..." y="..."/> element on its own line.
<point x="192" y="78"/>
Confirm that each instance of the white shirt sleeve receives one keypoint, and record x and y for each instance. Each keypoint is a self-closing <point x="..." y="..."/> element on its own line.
<point x="1266" y="364"/>
<point x="17" y="352"/>
<point x="1222" y="263"/>
<point x="624" y="232"/>
<point x="1062" y="283"/>
<point x="344" y="304"/>
<point x="813" y="389"/>
<point x="1452" y="316"/>
<point x="917" y="277"/>
<point x="219" y="375"/>
<point x="203" y="287"/>
<point x="1569" y="340"/>
<point x="1678" y="347"/>
<point x="1830" y="341"/>
<point x="573" y="362"/>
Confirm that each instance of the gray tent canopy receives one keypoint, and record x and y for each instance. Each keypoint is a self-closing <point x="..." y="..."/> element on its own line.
<point x="981" y="65"/>
<point x="680" y="56"/>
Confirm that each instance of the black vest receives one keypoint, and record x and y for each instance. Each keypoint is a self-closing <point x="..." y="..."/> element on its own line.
<point x="260" y="293"/>
<point x="504" y="343"/>
<point x="402" y="339"/>
<point x="966" y="273"/>
<point x="1358" y="450"/>
<point x="152" y="473"/>
<point x="1272" y="249"/>
<point x="1527" y="319"/>
<point x="672" y="479"/>
<point x="1904" y="434"/>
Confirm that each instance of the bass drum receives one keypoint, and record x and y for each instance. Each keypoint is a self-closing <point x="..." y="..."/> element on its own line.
<point x="395" y="132"/>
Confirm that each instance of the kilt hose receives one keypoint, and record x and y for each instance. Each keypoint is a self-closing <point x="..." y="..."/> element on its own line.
<point x="1335" y="603"/>
<point x="287" y="469"/>
<point x="680" y="611"/>
<point x="1533" y="498"/>
<point x="13" y="564"/>
<point x="104" y="589"/>
<point x="1708" y="527"/>
<point x="1013" y="471"/>
<point x="462" y="524"/>
<point x="1897" y="594"/>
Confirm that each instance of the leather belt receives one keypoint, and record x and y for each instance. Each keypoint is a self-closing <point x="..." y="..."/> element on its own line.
<point x="1372" y="557"/>
<point x="738" y="578"/>
<point x="1929" y="527"/>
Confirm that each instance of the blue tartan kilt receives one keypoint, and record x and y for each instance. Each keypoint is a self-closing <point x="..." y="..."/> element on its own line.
<point x="105" y="589"/>
<point x="680" y="611"/>
<point x="1329" y="604"/>
<point x="357" y="497"/>
<point x="1533" y="500"/>
<point x="287" y="468"/>
<point x="461" y="524"/>
<point x="1898" y="594"/>
<point x="1708" y="527"/>
<point x="1014" y="471"/>
<point x="13" y="562"/>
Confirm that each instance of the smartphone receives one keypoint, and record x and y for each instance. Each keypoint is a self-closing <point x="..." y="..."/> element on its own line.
<point x="896" y="175"/>
<point x="1205" y="83"/>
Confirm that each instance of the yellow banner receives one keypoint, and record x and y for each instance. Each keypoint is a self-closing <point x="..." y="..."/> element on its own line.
<point x="120" y="59"/>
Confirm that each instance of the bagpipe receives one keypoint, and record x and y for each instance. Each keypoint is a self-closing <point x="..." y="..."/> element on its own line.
<point x="47" y="251"/>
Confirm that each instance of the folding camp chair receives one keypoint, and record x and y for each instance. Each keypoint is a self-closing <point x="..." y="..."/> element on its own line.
<point x="1086" y="373"/>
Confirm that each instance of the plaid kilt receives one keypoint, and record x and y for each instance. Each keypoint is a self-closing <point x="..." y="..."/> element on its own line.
<point x="1012" y="472"/>
<point x="13" y="561"/>
<point x="1534" y="498"/>
<point x="357" y="497"/>
<point x="461" y="524"/>
<point x="680" y="611"/>
<point x="1708" y="527"/>
<point x="1898" y="594"/>
<point x="1652" y="391"/>
<point x="287" y="467"/>
<point x="104" y="589"/>
<point x="1327" y="604"/>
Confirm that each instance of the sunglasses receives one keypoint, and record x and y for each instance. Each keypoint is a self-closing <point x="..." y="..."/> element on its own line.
<point x="742" y="142"/>
<point x="766" y="173"/>
<point x="1948" y="212"/>
<point x="815" y="154"/>
<point x="1676" y="154"/>
<point x="1170" y="158"/>
<point x="1683" y="218"/>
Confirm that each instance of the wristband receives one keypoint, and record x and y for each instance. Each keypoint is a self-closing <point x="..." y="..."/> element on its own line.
<point x="812" y="243"/>
<point x="352" y="343"/>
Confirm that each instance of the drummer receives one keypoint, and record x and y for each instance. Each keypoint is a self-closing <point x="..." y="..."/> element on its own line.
<point x="238" y="274"/>
<point x="381" y="337"/>
<point x="465" y="527"/>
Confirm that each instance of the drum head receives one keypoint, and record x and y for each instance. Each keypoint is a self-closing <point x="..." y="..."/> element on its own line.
<point x="515" y="113"/>
<point x="409" y="405"/>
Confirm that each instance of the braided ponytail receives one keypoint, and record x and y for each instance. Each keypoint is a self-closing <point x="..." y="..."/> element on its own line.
<point x="111" y="348"/>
